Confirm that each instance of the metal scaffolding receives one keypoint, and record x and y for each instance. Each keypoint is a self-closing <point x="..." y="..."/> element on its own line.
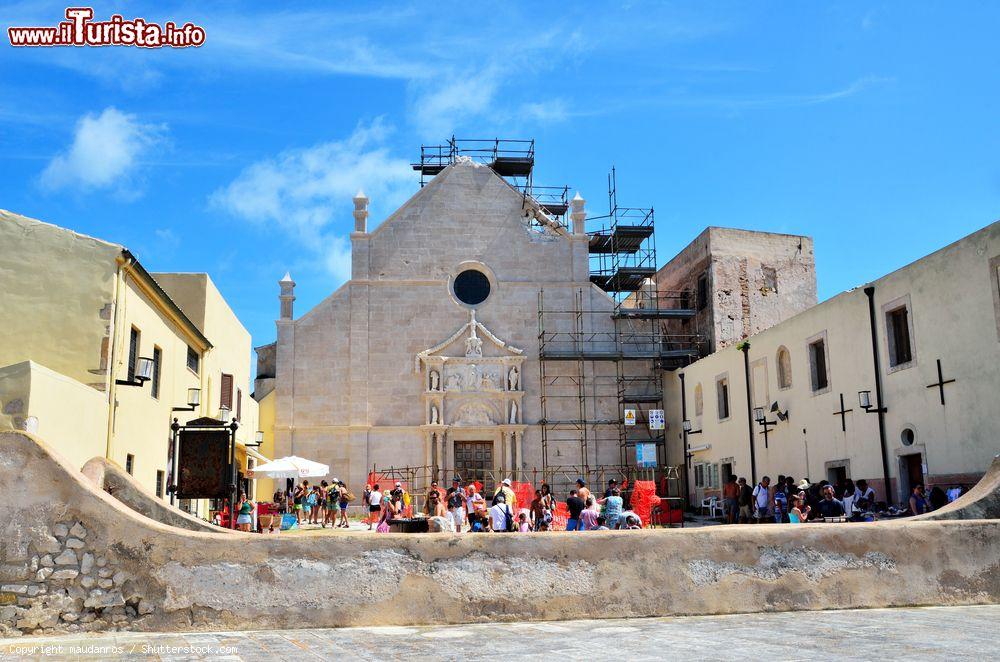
<point x="577" y="344"/>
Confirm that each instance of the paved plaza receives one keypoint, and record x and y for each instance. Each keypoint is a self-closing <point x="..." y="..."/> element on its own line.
<point x="930" y="633"/>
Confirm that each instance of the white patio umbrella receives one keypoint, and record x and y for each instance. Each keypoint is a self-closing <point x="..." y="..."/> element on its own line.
<point x="291" y="467"/>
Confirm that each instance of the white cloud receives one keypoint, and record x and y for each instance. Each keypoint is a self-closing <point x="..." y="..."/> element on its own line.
<point x="307" y="192"/>
<point x="106" y="153"/>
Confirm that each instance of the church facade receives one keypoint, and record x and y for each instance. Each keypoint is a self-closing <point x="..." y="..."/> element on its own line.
<point x="427" y="356"/>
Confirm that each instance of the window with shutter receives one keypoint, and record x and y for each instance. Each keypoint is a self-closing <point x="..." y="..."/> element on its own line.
<point x="157" y="359"/>
<point x="133" y="352"/>
<point x="239" y="405"/>
<point x="226" y="397"/>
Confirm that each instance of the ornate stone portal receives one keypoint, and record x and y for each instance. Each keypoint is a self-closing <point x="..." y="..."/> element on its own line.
<point x="472" y="396"/>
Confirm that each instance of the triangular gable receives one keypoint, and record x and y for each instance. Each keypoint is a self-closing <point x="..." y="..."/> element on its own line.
<point x="473" y="343"/>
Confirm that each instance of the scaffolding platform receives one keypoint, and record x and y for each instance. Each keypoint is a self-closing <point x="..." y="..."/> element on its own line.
<point x="620" y="239"/>
<point x="623" y="279"/>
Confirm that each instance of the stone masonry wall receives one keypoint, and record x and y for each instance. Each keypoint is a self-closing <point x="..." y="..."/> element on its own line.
<point x="74" y="559"/>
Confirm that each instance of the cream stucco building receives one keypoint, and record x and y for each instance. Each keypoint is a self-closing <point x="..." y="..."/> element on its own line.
<point x="936" y="318"/>
<point x="81" y="311"/>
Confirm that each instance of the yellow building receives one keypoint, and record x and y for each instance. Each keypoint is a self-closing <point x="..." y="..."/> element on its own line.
<point x="80" y="314"/>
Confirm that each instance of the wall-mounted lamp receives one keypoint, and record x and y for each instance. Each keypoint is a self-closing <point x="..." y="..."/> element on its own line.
<point x="194" y="399"/>
<point x="258" y="439"/>
<point x="761" y="418"/>
<point x="686" y="426"/>
<point x="224" y="414"/>
<point x="865" y="401"/>
<point x="143" y="373"/>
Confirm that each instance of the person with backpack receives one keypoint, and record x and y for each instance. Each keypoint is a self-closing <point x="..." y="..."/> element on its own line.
<point x="346" y="497"/>
<point x="501" y="516"/>
<point x="762" y="499"/>
<point x="456" y="505"/>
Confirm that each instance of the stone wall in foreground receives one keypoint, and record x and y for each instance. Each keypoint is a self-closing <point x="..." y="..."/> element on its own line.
<point x="73" y="558"/>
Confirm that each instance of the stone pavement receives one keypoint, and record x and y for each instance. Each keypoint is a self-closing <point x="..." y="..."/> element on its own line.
<point x="930" y="633"/>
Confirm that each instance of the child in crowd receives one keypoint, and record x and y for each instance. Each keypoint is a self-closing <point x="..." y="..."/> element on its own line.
<point x="523" y="525"/>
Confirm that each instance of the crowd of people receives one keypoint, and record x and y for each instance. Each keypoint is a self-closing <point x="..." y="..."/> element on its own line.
<point x="788" y="501"/>
<point x="463" y="508"/>
<point x="323" y="504"/>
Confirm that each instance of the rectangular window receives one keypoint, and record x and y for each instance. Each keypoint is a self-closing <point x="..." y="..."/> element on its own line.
<point x="226" y="396"/>
<point x="193" y="360"/>
<point x="702" y="291"/>
<point x="817" y="360"/>
<point x="699" y="475"/>
<point x="133" y="352"/>
<point x="239" y="405"/>
<point x="154" y="388"/>
<point x="898" y="326"/>
<point x="159" y="484"/>
<point x="770" y="278"/>
<point x="129" y="463"/>
<point x="722" y="393"/>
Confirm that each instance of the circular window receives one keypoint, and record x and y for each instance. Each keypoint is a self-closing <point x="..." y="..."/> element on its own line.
<point x="907" y="436"/>
<point x="472" y="287"/>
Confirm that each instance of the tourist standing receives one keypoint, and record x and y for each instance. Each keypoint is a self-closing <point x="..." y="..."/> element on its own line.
<point x="799" y="513"/>
<point x="582" y="490"/>
<point x="509" y="497"/>
<point x="762" y="499"/>
<point x="780" y="501"/>
<point x="575" y="506"/>
<point x="456" y="505"/>
<point x="345" y="499"/>
<point x="918" y="502"/>
<point x="501" y="516"/>
<point x="829" y="505"/>
<point x="588" y="518"/>
<point x="475" y="507"/>
<point x="298" y="499"/>
<point x="866" y="493"/>
<point x="745" y="501"/>
<point x="730" y="499"/>
<point x="374" y="505"/>
<point x="245" y="509"/>
<point x="850" y="497"/>
<point x="613" y="506"/>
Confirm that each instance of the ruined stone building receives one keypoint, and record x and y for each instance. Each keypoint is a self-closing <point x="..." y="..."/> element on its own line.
<point x="740" y="282"/>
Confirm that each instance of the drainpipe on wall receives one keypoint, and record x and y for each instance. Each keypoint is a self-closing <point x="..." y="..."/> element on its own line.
<point x="745" y="348"/>
<point x="116" y="320"/>
<point x="870" y="293"/>
<point x="684" y="435"/>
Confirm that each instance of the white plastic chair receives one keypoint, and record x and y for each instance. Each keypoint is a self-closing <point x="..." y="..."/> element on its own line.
<point x="712" y="505"/>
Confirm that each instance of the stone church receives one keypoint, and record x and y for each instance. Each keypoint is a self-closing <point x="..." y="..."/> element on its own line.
<point x="427" y="356"/>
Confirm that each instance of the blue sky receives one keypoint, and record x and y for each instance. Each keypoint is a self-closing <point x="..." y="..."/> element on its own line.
<point x="872" y="127"/>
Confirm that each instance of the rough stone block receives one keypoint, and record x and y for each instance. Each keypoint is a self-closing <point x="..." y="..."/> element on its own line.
<point x="104" y="600"/>
<point x="106" y="583"/>
<point x="74" y="543"/>
<point x="68" y="573"/>
<point x="119" y="578"/>
<point x="48" y="545"/>
<point x="43" y="574"/>
<point x="78" y="531"/>
<point x="87" y="582"/>
<point x="60" y="530"/>
<point x="46" y="561"/>
<point x="66" y="558"/>
<point x="87" y="563"/>
<point x="18" y="589"/>
<point x="101" y="561"/>
<point x="104" y="573"/>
